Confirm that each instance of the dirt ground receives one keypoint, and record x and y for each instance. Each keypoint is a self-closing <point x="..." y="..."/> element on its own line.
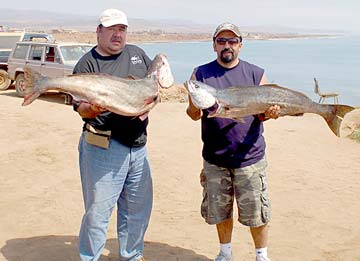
<point x="313" y="178"/>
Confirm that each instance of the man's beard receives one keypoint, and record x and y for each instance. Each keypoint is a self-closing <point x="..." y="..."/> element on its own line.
<point x="228" y="58"/>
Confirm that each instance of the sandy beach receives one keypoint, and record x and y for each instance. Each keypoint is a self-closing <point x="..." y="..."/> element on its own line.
<point x="314" y="180"/>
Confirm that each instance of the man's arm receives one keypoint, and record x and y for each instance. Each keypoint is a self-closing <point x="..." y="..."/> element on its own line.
<point x="193" y="112"/>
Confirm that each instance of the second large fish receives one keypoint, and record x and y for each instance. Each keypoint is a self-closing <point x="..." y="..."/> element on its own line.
<point x="122" y="96"/>
<point x="241" y="101"/>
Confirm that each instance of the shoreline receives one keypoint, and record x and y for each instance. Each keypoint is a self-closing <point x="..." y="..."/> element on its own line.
<point x="149" y="37"/>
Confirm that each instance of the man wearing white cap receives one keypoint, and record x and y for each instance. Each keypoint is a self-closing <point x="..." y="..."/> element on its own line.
<point x="233" y="152"/>
<point x="113" y="161"/>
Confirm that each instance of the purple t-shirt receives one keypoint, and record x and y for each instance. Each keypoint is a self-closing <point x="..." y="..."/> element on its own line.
<point x="226" y="142"/>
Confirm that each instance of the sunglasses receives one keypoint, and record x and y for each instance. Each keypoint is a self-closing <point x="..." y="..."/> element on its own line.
<point x="231" y="41"/>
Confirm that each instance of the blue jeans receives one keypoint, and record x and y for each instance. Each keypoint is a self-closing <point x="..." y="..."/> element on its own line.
<point x="117" y="175"/>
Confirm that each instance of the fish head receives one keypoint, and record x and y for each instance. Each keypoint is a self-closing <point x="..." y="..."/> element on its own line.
<point x="200" y="97"/>
<point x="161" y="72"/>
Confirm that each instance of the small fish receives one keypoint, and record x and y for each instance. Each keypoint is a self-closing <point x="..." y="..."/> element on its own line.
<point x="128" y="97"/>
<point x="240" y="101"/>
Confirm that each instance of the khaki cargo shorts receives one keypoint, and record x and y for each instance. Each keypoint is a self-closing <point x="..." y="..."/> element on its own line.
<point x="247" y="185"/>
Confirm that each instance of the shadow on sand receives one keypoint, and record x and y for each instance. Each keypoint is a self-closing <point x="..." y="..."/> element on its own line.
<point x="50" y="96"/>
<point x="60" y="248"/>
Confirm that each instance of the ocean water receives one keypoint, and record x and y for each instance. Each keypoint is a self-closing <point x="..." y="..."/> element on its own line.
<point x="292" y="63"/>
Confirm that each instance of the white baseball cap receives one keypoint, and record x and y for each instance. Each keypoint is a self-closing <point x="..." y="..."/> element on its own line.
<point x="111" y="17"/>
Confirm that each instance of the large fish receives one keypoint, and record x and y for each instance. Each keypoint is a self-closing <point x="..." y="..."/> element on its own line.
<point x="237" y="102"/>
<point x="128" y="97"/>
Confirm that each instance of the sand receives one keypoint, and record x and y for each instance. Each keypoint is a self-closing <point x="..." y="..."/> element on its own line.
<point x="314" y="180"/>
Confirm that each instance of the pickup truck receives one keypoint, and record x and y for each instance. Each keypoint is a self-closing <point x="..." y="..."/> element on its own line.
<point x="7" y="43"/>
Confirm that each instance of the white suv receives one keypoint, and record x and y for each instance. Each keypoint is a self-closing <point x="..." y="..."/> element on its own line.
<point x="50" y="59"/>
<point x="8" y="41"/>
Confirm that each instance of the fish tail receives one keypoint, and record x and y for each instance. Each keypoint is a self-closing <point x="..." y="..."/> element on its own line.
<point x="34" y="82"/>
<point x="336" y="116"/>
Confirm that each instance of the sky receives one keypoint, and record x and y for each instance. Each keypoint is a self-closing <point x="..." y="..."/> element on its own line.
<point x="302" y="14"/>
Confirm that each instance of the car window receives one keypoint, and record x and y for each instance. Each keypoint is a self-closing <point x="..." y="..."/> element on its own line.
<point x="4" y="55"/>
<point x="38" y="37"/>
<point x="51" y="55"/>
<point x="20" y="51"/>
<point x="36" y="52"/>
<point x="73" y="53"/>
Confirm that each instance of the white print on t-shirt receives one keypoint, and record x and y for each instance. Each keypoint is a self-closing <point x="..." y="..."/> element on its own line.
<point x="135" y="59"/>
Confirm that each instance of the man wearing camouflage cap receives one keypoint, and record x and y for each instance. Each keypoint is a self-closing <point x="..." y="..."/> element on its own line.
<point x="233" y="152"/>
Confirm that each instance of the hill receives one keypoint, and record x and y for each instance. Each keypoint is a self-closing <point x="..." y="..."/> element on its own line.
<point x="140" y="30"/>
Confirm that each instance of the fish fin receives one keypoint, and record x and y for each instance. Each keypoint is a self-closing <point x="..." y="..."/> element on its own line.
<point x="335" y="118"/>
<point x="29" y="98"/>
<point x="233" y="112"/>
<point x="273" y="85"/>
<point x="298" y="114"/>
<point x="132" y="77"/>
<point x="151" y="99"/>
<point x="218" y="111"/>
<point x="224" y="111"/>
<point x="32" y="79"/>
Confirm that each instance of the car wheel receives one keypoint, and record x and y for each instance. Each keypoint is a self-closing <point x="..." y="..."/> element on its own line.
<point x="5" y="81"/>
<point x="20" y="85"/>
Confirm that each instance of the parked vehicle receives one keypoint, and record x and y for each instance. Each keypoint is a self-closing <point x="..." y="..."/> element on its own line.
<point x="48" y="58"/>
<point x="7" y="43"/>
<point x="39" y="37"/>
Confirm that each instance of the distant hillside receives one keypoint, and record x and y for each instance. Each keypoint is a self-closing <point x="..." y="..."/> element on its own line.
<point x="45" y="21"/>
<point x="35" y="20"/>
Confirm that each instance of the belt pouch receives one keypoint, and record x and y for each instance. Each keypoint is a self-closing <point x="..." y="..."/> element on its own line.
<point x="97" y="137"/>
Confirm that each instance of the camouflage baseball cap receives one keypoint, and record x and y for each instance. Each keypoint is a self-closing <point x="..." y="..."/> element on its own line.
<point x="227" y="27"/>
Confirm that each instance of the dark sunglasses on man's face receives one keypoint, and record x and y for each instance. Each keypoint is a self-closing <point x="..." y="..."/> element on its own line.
<point x="231" y="41"/>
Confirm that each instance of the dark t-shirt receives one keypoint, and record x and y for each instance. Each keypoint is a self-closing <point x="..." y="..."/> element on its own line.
<point x="132" y="61"/>
<point x="226" y="142"/>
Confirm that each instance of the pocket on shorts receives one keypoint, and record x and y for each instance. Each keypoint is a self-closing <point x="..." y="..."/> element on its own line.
<point x="264" y="197"/>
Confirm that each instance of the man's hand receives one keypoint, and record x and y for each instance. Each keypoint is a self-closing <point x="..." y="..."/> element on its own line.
<point x="273" y="112"/>
<point x="87" y="110"/>
<point x="192" y="111"/>
<point x="97" y="108"/>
